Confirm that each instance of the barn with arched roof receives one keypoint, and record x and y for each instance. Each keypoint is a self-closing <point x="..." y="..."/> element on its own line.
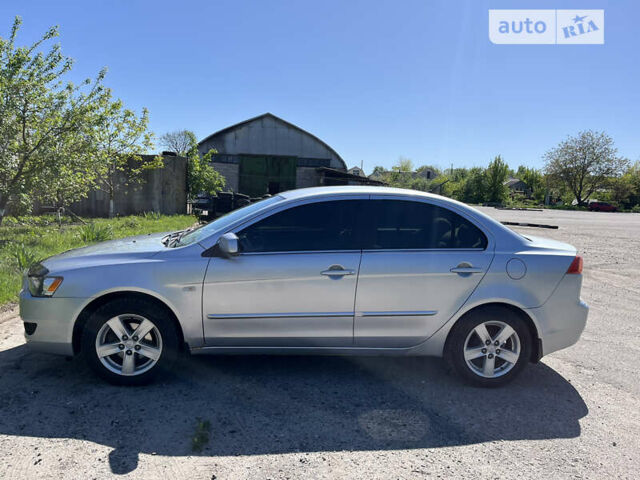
<point x="267" y="154"/>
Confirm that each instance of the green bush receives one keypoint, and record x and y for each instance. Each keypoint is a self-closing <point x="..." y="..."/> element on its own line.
<point x="23" y="256"/>
<point x="636" y="209"/>
<point x="131" y="222"/>
<point x="92" y="232"/>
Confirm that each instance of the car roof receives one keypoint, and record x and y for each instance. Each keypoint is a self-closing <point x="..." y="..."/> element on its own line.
<point x="353" y="189"/>
<point x="311" y="192"/>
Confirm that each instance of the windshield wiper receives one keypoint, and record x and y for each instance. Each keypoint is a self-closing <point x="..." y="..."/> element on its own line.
<point x="172" y="239"/>
<point x="181" y="234"/>
<point x="167" y="239"/>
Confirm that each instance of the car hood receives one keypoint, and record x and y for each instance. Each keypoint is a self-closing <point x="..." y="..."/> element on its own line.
<point x="114" y="251"/>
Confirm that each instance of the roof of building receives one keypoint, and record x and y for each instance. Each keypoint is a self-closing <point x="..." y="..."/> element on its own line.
<point x="364" y="180"/>
<point x="271" y="115"/>
<point x="513" y="181"/>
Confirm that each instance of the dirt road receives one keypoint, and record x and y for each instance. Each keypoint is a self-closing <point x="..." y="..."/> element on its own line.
<point x="574" y="415"/>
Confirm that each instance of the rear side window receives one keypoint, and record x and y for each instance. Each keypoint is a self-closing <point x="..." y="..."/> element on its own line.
<point x="400" y="224"/>
<point x="312" y="227"/>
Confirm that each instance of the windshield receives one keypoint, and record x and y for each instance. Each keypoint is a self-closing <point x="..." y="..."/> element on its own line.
<point x="223" y="222"/>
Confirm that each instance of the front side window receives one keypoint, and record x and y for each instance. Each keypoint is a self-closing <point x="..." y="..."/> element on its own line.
<point x="400" y="224"/>
<point x="318" y="226"/>
<point x="223" y="222"/>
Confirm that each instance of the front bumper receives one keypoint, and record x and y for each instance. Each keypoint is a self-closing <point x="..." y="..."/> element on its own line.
<point x="563" y="317"/>
<point x="53" y="318"/>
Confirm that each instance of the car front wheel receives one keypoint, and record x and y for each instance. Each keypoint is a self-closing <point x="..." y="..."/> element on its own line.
<point x="489" y="347"/>
<point x="129" y="341"/>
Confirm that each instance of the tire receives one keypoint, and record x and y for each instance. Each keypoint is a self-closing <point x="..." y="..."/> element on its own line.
<point x="468" y="354"/>
<point x="125" y="358"/>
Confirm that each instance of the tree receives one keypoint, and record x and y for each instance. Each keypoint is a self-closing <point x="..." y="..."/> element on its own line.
<point x="496" y="174"/>
<point x="401" y="174"/>
<point x="404" y="165"/>
<point x="178" y="141"/>
<point x="44" y="123"/>
<point x="584" y="163"/>
<point x="634" y="175"/>
<point x="378" y="172"/>
<point x="201" y="176"/>
<point x="621" y="188"/>
<point x="475" y="186"/>
<point x="534" y="180"/>
<point x="117" y="141"/>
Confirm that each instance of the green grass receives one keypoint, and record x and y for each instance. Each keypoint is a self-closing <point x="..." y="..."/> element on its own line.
<point x="29" y="239"/>
<point x="201" y="435"/>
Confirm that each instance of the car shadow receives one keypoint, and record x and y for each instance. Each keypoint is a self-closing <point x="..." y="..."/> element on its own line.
<point x="267" y="405"/>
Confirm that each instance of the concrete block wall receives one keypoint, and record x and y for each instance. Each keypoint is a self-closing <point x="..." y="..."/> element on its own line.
<point x="162" y="190"/>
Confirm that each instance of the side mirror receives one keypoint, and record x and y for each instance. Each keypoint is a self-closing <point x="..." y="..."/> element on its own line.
<point x="228" y="244"/>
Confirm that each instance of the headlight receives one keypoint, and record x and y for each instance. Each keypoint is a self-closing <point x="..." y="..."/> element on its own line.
<point x="41" y="285"/>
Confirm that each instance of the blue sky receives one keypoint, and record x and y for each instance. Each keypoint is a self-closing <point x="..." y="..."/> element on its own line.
<point x="375" y="79"/>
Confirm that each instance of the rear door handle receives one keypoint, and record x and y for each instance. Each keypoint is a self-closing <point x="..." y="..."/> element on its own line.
<point x="337" y="271"/>
<point x="465" y="267"/>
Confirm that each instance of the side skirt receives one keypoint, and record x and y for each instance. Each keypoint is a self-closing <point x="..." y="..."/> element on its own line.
<point x="349" y="351"/>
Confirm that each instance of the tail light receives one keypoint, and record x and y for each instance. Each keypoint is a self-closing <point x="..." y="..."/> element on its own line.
<point x="576" y="266"/>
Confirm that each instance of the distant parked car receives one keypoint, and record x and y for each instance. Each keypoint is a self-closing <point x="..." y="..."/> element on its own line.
<point x="602" y="207"/>
<point x="327" y="270"/>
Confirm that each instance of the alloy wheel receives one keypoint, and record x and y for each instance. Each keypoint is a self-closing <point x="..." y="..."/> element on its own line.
<point x="129" y="344"/>
<point x="492" y="349"/>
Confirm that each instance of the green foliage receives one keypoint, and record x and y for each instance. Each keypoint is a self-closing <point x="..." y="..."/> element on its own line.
<point x="636" y="209"/>
<point x="121" y="136"/>
<point x="201" y="176"/>
<point x="474" y="188"/>
<point x="495" y="176"/>
<point x="43" y="237"/>
<point x="402" y="175"/>
<point x="584" y="163"/>
<point x="201" y="435"/>
<point x="59" y="140"/>
<point x="24" y="256"/>
<point x="620" y="189"/>
<point x="378" y="171"/>
<point x="93" y="232"/>
<point x="129" y="222"/>
<point x="45" y="123"/>
<point x="535" y="180"/>
<point x="151" y="215"/>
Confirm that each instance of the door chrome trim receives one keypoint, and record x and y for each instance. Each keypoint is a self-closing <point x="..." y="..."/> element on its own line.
<point x="298" y="252"/>
<point x="222" y="316"/>
<point x="400" y="313"/>
<point x="418" y="250"/>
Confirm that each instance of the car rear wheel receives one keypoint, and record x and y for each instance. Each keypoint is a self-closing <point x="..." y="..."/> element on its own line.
<point x="489" y="347"/>
<point x="129" y="341"/>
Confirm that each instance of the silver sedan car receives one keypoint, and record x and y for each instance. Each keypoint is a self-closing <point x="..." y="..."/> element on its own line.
<point x="327" y="270"/>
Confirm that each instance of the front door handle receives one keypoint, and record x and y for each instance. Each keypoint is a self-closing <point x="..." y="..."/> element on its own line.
<point x="337" y="271"/>
<point x="465" y="267"/>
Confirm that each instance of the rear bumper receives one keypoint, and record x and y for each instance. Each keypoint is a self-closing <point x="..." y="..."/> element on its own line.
<point x="563" y="317"/>
<point x="53" y="319"/>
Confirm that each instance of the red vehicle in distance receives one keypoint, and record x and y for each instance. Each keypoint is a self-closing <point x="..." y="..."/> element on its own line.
<point x="602" y="207"/>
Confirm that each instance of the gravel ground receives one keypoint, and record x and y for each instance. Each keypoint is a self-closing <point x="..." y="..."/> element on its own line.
<point x="574" y="415"/>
